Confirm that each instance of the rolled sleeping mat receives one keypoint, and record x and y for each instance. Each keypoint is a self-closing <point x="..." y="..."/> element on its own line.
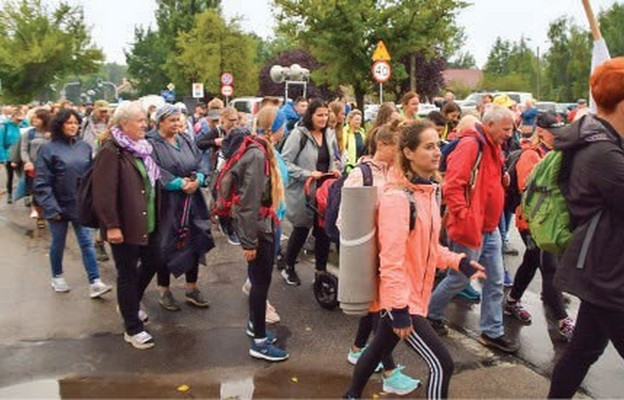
<point x="357" y="278"/>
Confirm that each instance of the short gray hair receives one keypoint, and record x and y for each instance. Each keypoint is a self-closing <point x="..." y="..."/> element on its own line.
<point x="126" y="110"/>
<point x="497" y="113"/>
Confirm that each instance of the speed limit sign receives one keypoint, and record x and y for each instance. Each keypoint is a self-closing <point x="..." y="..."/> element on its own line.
<point x="381" y="71"/>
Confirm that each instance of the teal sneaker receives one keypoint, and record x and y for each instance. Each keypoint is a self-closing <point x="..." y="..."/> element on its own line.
<point x="399" y="383"/>
<point x="354" y="356"/>
<point x="470" y="293"/>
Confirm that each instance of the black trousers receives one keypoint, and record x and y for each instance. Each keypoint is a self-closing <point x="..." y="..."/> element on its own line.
<point x="259" y="272"/>
<point x="133" y="279"/>
<point x="595" y="327"/>
<point x="423" y="340"/>
<point x="10" y="173"/>
<point x="534" y="259"/>
<point x="367" y="325"/>
<point x="163" y="276"/>
<point x="297" y="239"/>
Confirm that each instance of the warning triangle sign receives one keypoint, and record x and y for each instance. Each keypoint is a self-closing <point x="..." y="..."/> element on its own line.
<point x="381" y="52"/>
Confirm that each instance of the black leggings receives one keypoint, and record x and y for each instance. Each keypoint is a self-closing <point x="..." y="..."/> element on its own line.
<point x="535" y="258"/>
<point x="368" y="324"/>
<point x="259" y="272"/>
<point x="164" y="276"/>
<point x="10" y="173"/>
<point x="132" y="280"/>
<point x="423" y="340"/>
<point x="297" y="239"/>
<point x="595" y="327"/>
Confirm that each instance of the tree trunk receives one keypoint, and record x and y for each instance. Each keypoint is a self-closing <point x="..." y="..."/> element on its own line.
<point x="359" y="97"/>
<point x="412" y="72"/>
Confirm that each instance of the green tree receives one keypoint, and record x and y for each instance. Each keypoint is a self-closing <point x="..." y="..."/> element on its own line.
<point x="212" y="47"/>
<point x="612" y="27"/>
<point x="567" y="61"/>
<point x="39" y="48"/>
<point x="463" y="60"/>
<point x="342" y="34"/>
<point x="146" y="62"/>
<point x="510" y="66"/>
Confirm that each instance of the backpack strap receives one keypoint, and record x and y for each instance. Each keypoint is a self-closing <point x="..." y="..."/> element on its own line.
<point x="412" y="209"/>
<point x="367" y="173"/>
<point x="302" y="143"/>
<point x="474" y="171"/>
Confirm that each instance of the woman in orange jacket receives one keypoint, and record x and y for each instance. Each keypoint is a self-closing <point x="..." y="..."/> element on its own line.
<point x="532" y="152"/>
<point x="408" y="260"/>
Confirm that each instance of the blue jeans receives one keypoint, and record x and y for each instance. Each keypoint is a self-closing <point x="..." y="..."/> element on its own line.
<point x="84" y="235"/>
<point x="490" y="256"/>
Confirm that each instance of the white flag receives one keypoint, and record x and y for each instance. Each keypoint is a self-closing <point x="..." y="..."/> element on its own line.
<point x="600" y="55"/>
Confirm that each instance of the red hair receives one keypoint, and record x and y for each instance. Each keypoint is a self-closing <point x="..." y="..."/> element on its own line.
<point x="607" y="84"/>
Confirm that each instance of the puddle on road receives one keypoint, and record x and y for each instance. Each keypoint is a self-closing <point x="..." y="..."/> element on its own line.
<point x="272" y="382"/>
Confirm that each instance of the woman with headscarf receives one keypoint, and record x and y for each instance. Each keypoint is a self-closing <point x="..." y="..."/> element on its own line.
<point x="182" y="174"/>
<point x="126" y="195"/>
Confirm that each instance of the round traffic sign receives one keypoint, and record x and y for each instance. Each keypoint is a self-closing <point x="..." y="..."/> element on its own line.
<point x="227" y="90"/>
<point x="227" y="78"/>
<point x="381" y="71"/>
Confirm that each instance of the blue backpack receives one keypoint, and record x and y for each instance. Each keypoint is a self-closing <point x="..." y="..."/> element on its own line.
<point x="335" y="196"/>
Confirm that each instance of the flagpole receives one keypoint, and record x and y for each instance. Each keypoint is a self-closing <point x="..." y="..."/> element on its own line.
<point x="593" y="22"/>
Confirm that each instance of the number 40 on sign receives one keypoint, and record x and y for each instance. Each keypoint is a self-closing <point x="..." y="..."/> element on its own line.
<point x="381" y="71"/>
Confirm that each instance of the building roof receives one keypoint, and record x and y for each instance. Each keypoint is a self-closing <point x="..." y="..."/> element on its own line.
<point x="467" y="77"/>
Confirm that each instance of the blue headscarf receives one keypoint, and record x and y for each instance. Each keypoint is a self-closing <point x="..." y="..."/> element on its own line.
<point x="278" y="123"/>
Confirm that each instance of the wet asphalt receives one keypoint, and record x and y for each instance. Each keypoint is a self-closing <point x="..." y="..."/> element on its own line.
<point x="70" y="346"/>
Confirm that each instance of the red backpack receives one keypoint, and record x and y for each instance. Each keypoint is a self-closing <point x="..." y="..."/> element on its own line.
<point x="317" y="196"/>
<point x="227" y="194"/>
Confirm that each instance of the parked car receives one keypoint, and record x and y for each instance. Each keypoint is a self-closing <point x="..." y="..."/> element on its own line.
<point x="247" y="105"/>
<point x="546" y="106"/>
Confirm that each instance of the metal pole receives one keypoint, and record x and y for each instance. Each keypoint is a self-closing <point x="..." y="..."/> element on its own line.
<point x="380" y="93"/>
<point x="539" y="72"/>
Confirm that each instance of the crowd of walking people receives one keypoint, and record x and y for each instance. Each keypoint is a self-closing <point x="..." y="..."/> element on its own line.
<point x="160" y="180"/>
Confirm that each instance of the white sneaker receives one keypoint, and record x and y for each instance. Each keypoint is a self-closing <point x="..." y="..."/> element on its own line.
<point x="143" y="316"/>
<point x="246" y="287"/>
<point x="98" y="288"/>
<point x="271" y="317"/>
<point x="141" y="340"/>
<point x="59" y="284"/>
<point x="33" y="214"/>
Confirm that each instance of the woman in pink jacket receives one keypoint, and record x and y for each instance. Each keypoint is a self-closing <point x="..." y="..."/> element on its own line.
<point x="408" y="260"/>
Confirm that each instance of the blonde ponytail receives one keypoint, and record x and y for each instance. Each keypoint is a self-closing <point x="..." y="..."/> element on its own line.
<point x="264" y="121"/>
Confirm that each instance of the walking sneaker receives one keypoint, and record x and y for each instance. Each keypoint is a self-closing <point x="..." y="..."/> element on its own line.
<point x="196" y="298"/>
<point x="280" y="261"/>
<point x="290" y="276"/>
<point x="516" y="310"/>
<point x="271" y="317"/>
<point x="399" y="383"/>
<point x="34" y="214"/>
<point x="501" y="343"/>
<point x="143" y="317"/>
<point x="566" y="328"/>
<point x="141" y="340"/>
<point x="246" y="287"/>
<point x="507" y="279"/>
<point x="100" y="252"/>
<point x="267" y="351"/>
<point x="438" y="326"/>
<point x="354" y="356"/>
<point x="469" y="293"/>
<point x="98" y="288"/>
<point x="509" y="251"/>
<point x="233" y="239"/>
<point x="59" y="284"/>
<point x="168" y="301"/>
<point x="270" y="336"/>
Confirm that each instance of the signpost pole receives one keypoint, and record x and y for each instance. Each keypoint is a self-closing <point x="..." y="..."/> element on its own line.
<point x="380" y="93"/>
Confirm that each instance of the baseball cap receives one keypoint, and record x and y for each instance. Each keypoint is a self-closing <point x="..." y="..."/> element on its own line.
<point x="101" y="105"/>
<point x="581" y="101"/>
<point x="550" y="122"/>
<point x="504" y="101"/>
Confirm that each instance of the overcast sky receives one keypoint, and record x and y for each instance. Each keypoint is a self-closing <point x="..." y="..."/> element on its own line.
<point x="113" y="21"/>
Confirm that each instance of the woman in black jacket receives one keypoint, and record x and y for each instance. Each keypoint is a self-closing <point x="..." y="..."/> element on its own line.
<point x="61" y="162"/>
<point x="592" y="267"/>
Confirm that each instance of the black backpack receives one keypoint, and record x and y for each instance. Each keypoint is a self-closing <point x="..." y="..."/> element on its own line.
<point x="514" y="196"/>
<point x="84" y="199"/>
<point x="335" y="196"/>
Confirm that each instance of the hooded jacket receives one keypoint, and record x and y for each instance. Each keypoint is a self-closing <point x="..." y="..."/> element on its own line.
<point x="594" y="157"/>
<point x="408" y="259"/>
<point x="301" y="162"/>
<point x="473" y="211"/>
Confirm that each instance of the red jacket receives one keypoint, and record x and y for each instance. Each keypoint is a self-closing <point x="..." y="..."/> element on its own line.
<point x="473" y="211"/>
